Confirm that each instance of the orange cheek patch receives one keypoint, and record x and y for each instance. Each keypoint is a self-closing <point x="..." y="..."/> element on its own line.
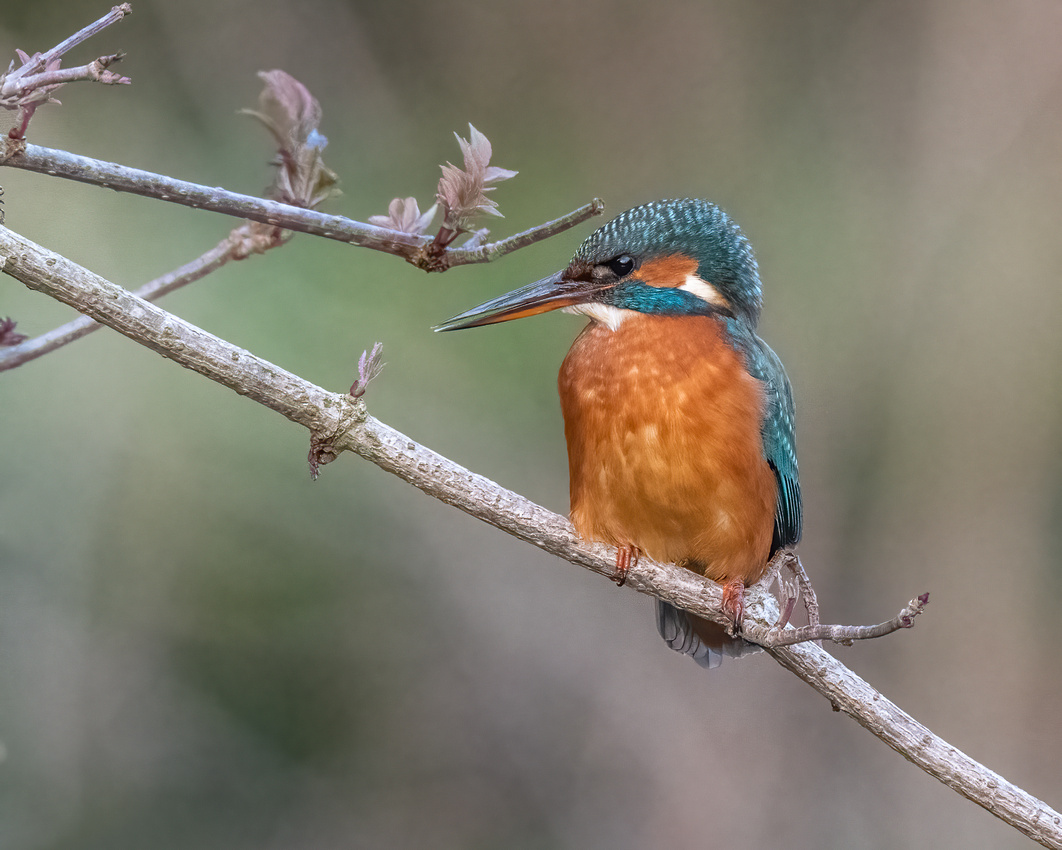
<point x="667" y="271"/>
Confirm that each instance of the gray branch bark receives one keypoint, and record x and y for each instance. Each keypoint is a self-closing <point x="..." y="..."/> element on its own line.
<point x="412" y="248"/>
<point x="342" y="423"/>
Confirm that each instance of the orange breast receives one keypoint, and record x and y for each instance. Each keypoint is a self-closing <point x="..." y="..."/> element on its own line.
<point x="664" y="449"/>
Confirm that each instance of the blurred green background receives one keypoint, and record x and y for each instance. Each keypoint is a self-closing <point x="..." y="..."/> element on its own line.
<point x="199" y="647"/>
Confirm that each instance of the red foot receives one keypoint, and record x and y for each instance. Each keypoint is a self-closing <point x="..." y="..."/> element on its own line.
<point x="734" y="602"/>
<point x="626" y="557"/>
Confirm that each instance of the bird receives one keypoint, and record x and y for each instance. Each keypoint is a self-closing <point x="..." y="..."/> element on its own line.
<point x="678" y="418"/>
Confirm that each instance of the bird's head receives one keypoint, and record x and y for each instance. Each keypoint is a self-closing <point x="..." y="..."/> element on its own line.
<point x="668" y="258"/>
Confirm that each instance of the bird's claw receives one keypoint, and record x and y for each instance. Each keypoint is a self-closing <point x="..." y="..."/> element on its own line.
<point x="626" y="557"/>
<point x="733" y="604"/>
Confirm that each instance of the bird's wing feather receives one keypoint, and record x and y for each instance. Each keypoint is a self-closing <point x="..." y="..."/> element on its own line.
<point x="778" y="432"/>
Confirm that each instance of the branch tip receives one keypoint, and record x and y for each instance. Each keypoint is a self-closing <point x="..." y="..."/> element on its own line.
<point x="39" y="75"/>
<point x="779" y="635"/>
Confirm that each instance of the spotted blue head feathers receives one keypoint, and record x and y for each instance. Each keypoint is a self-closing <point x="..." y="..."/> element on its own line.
<point x="683" y="227"/>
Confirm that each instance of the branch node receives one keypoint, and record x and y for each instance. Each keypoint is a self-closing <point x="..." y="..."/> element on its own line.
<point x="11" y="147"/>
<point x="321" y="452"/>
<point x="323" y="449"/>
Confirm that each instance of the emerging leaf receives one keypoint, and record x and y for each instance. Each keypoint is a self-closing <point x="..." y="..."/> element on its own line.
<point x="369" y="367"/>
<point x="404" y="214"/>
<point x="462" y="192"/>
<point x="292" y="115"/>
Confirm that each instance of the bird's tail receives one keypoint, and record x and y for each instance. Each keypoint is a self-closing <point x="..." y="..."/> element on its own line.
<point x="705" y="642"/>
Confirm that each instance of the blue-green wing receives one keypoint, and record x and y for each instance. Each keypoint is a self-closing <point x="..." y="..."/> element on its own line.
<point x="778" y="432"/>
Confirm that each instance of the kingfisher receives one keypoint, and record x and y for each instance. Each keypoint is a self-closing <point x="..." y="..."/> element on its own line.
<point x="678" y="418"/>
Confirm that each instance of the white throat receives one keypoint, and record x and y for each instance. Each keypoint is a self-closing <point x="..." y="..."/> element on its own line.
<point x="605" y="314"/>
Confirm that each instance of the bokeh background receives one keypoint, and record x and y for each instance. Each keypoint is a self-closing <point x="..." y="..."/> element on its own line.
<point x="199" y="647"/>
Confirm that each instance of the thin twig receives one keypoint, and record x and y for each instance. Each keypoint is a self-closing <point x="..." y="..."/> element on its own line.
<point x="493" y="250"/>
<point x="85" y="33"/>
<point x="31" y="84"/>
<point x="94" y="71"/>
<point x="413" y="249"/>
<point x="776" y="636"/>
<point x="21" y="77"/>
<point x="237" y="245"/>
<point x="343" y="423"/>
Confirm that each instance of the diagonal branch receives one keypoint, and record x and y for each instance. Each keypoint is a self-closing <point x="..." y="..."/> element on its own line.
<point x="343" y="423"/>
<point x="249" y="238"/>
<point x="414" y="249"/>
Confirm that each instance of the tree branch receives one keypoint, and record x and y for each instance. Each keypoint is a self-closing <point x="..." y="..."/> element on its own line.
<point x="494" y="250"/>
<point x="83" y="34"/>
<point x="249" y="238"/>
<point x="343" y="423"/>
<point x="413" y="249"/>
<point x="788" y="636"/>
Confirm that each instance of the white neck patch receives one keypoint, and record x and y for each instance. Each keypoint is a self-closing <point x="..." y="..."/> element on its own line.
<point x="703" y="290"/>
<point x="605" y="314"/>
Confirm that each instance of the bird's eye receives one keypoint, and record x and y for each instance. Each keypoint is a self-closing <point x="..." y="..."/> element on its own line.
<point x="622" y="265"/>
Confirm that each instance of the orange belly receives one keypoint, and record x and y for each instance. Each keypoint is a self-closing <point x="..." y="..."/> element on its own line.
<point x="664" y="448"/>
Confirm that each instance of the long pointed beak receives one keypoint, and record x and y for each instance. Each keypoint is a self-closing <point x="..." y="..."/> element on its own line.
<point x="550" y="293"/>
